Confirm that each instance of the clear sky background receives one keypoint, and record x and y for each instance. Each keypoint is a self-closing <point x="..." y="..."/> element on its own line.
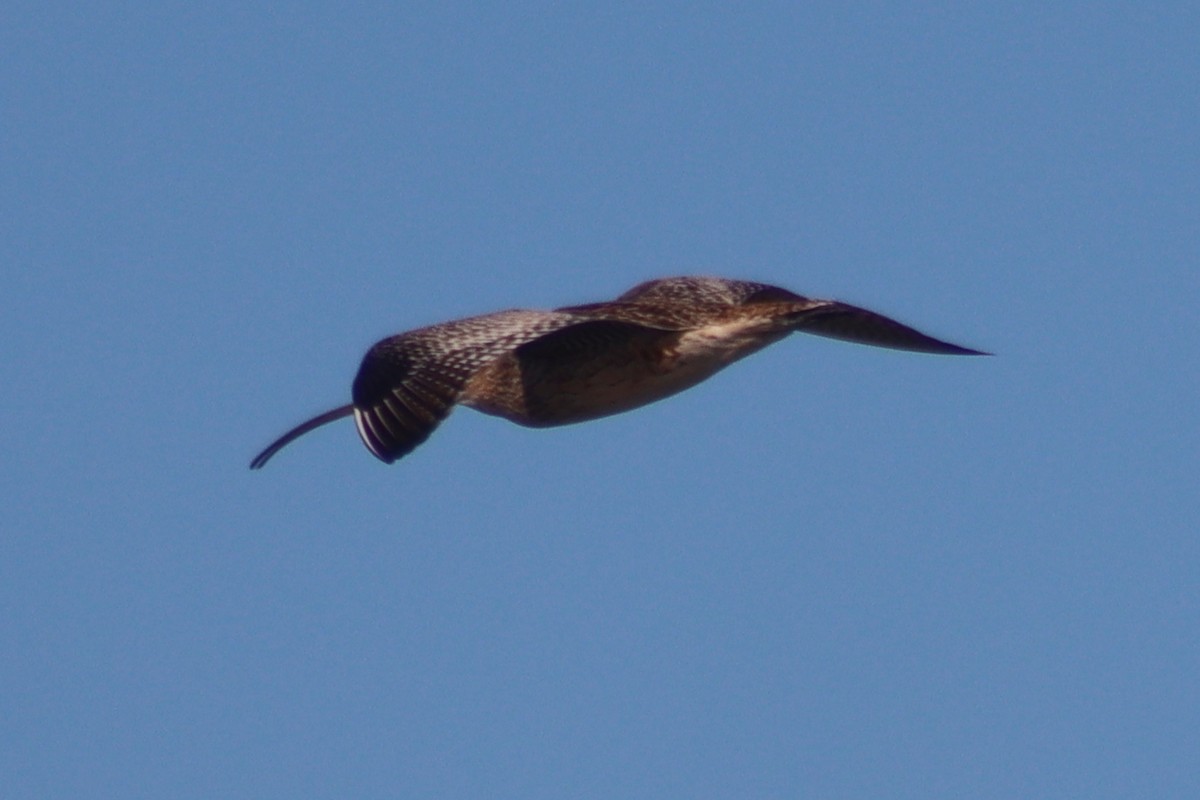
<point x="831" y="571"/>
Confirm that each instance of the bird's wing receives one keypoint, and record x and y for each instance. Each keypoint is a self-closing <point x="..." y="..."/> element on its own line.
<point x="398" y="400"/>
<point x="582" y="365"/>
<point x="590" y="338"/>
<point x="407" y="384"/>
<point x="838" y="320"/>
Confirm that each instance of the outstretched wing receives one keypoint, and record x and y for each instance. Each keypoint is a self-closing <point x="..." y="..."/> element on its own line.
<point x="399" y="398"/>
<point x="592" y="369"/>
<point x="853" y="324"/>
<point x="572" y="347"/>
<point x="408" y="384"/>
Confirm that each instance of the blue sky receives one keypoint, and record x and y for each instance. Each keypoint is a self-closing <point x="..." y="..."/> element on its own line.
<point x="831" y="571"/>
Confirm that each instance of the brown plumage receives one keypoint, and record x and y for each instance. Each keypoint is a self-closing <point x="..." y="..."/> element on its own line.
<point x="545" y="368"/>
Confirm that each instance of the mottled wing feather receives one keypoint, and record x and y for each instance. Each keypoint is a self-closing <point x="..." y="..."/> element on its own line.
<point x="853" y="324"/>
<point x="696" y="290"/>
<point x="408" y="384"/>
<point x="398" y="403"/>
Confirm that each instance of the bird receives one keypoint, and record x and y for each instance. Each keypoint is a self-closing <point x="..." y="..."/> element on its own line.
<point x="577" y="363"/>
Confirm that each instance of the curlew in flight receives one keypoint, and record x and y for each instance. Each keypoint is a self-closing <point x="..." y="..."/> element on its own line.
<point x="545" y="368"/>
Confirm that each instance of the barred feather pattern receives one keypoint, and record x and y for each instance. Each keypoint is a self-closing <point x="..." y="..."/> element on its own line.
<point x="407" y="384"/>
